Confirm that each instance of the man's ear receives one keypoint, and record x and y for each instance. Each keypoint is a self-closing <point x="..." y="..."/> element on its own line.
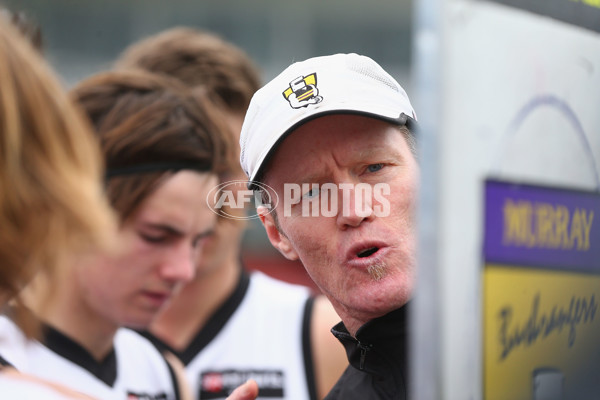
<point x="277" y="238"/>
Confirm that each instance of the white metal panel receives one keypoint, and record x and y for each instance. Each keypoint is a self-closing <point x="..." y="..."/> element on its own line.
<point x="518" y="99"/>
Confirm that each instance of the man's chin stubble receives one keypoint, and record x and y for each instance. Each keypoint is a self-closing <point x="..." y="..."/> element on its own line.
<point x="377" y="271"/>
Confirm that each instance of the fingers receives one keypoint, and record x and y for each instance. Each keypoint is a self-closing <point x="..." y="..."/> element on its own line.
<point x="247" y="391"/>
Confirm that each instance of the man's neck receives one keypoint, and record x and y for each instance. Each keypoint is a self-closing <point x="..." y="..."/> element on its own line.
<point x="70" y="315"/>
<point x="353" y="320"/>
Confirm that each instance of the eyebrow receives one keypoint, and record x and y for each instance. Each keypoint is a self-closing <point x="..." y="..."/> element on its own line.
<point x="162" y="227"/>
<point x="312" y="178"/>
<point x="372" y="151"/>
<point x="206" y="233"/>
<point x="176" y="232"/>
<point x="392" y="155"/>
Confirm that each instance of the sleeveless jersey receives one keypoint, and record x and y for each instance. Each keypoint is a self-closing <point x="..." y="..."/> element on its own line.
<point x="14" y="388"/>
<point x="261" y="332"/>
<point x="133" y="370"/>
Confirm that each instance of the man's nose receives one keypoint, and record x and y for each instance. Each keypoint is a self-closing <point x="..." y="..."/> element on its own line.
<point x="179" y="264"/>
<point x="356" y="207"/>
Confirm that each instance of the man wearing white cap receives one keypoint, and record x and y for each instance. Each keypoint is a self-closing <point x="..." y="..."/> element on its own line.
<point x="329" y="140"/>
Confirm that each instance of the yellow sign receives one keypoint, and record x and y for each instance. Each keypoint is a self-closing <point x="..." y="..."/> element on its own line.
<point x="541" y="332"/>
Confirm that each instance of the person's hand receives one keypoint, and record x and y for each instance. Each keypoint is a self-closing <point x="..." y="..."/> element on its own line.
<point x="247" y="391"/>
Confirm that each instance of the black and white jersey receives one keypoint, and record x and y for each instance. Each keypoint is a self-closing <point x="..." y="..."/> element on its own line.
<point x="261" y="332"/>
<point x="12" y="387"/>
<point x="15" y="388"/>
<point x="13" y="344"/>
<point x="134" y="369"/>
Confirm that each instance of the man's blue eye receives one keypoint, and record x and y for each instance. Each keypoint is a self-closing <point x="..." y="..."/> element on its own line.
<point x="312" y="193"/>
<point x="374" y="167"/>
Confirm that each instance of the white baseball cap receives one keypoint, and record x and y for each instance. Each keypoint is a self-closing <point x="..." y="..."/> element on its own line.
<point x="335" y="84"/>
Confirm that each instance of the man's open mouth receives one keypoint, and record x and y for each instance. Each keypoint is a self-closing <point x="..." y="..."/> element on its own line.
<point x="367" y="252"/>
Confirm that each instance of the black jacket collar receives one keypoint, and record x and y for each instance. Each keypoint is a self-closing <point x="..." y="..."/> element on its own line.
<point x="380" y="344"/>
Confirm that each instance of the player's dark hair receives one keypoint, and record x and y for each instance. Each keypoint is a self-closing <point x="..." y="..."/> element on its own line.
<point x="150" y="126"/>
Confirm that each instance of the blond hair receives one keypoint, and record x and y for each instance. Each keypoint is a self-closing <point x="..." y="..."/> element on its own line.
<point x="51" y="196"/>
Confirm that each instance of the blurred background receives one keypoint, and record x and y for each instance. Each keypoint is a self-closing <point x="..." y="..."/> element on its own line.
<point x="85" y="37"/>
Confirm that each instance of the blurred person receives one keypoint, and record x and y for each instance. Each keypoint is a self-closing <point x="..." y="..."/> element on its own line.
<point x="161" y="156"/>
<point x="227" y="324"/>
<point x="25" y="25"/>
<point x="50" y="178"/>
<point x="332" y="136"/>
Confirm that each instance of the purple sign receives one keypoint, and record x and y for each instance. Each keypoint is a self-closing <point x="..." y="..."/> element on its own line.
<point x="542" y="227"/>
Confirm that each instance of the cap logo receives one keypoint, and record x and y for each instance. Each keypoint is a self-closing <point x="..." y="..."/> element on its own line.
<point x="303" y="91"/>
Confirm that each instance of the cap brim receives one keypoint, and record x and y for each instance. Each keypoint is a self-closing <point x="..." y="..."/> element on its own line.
<point x="400" y="120"/>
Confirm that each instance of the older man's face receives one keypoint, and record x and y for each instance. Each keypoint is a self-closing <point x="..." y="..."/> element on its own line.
<point x="363" y="256"/>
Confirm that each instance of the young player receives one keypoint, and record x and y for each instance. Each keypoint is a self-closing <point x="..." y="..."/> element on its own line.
<point x="50" y="177"/>
<point x="228" y="324"/>
<point x="162" y="155"/>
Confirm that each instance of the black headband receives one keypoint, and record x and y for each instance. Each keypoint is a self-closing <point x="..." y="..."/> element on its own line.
<point x="157" y="167"/>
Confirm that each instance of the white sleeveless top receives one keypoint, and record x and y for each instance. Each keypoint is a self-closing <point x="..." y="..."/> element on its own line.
<point x="12" y="388"/>
<point x="261" y="332"/>
<point x="134" y="370"/>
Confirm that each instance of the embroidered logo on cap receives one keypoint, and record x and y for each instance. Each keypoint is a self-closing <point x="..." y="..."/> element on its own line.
<point x="303" y="91"/>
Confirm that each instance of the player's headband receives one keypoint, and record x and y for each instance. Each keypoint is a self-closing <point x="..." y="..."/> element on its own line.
<point x="157" y="167"/>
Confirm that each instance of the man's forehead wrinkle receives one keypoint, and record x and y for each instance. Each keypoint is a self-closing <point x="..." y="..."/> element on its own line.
<point x="328" y="154"/>
<point x="315" y="162"/>
<point x="313" y="172"/>
<point x="334" y="158"/>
